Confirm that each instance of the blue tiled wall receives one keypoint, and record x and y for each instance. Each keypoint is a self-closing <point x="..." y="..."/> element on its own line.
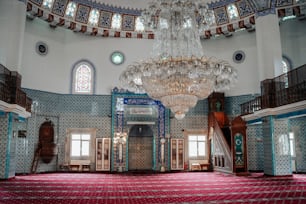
<point x="232" y="104"/>
<point x="281" y="148"/>
<point x="65" y="111"/>
<point x="3" y="144"/>
<point x="81" y="111"/>
<point x="8" y="137"/>
<point x="268" y="141"/>
<point x="255" y="147"/>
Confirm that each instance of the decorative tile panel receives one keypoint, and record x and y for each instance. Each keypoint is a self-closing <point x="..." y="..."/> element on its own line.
<point x="128" y="23"/>
<point x="66" y="111"/>
<point x="82" y="13"/>
<point x="282" y="148"/>
<point x="221" y="15"/>
<point x="255" y="147"/>
<point x="3" y="144"/>
<point x="268" y="141"/>
<point x="232" y="104"/>
<point x="59" y="7"/>
<point x="37" y="2"/>
<point x="105" y="19"/>
<point x="284" y="3"/>
<point x="262" y="5"/>
<point x="83" y="111"/>
<point x="244" y="8"/>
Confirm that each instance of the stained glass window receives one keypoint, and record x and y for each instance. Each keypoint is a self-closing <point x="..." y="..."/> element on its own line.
<point x="116" y="21"/>
<point x="70" y="10"/>
<point x="47" y="4"/>
<point x="232" y="12"/>
<point x="139" y="24"/>
<point x="83" y="80"/>
<point x="94" y="17"/>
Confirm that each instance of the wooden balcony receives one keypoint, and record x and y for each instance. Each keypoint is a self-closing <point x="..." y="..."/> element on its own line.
<point x="282" y="90"/>
<point x="4" y="92"/>
<point x="10" y="89"/>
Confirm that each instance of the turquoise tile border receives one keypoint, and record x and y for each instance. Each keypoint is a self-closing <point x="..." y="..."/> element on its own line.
<point x="272" y="143"/>
<point x="292" y="114"/>
<point x="8" y="145"/>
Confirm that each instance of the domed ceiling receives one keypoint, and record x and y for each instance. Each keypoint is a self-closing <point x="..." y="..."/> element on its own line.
<point x="97" y="17"/>
<point x="140" y="4"/>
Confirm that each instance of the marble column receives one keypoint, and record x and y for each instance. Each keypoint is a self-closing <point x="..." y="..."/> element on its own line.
<point x="269" y="51"/>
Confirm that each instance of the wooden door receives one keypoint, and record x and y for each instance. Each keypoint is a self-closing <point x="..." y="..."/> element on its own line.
<point x="140" y="153"/>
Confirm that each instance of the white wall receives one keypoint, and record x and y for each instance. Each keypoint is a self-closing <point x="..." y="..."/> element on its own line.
<point x="224" y="48"/>
<point x="293" y="37"/>
<point x="53" y="72"/>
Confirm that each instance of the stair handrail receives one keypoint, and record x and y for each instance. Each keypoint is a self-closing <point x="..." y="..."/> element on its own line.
<point x="218" y="134"/>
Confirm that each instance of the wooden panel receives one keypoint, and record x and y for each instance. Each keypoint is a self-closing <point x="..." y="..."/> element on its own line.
<point x="140" y="153"/>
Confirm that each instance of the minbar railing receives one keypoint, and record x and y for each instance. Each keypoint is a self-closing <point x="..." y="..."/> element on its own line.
<point x="10" y="89"/>
<point x="282" y="90"/>
<point x="222" y="159"/>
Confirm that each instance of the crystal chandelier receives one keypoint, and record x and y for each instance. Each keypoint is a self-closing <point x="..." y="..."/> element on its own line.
<point x="178" y="74"/>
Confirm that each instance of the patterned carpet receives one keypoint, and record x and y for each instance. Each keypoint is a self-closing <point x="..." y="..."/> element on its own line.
<point x="183" y="187"/>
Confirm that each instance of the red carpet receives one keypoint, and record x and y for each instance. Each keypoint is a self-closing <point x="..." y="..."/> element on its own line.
<point x="187" y="187"/>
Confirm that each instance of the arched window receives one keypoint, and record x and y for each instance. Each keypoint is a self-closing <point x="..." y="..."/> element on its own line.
<point x="47" y="4"/>
<point x="71" y="9"/>
<point x="94" y="17"/>
<point x="83" y="74"/>
<point x="116" y="21"/>
<point x="286" y="67"/>
<point x="232" y="12"/>
<point x="139" y="26"/>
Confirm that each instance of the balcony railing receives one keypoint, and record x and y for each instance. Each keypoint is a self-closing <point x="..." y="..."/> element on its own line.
<point x="4" y="92"/>
<point x="282" y="90"/>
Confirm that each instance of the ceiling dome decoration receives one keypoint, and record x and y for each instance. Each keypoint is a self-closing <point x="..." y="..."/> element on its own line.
<point x="55" y="12"/>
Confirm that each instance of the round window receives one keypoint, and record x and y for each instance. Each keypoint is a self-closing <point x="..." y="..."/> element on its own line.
<point x="117" y="57"/>
<point x="238" y="56"/>
<point x="41" y="48"/>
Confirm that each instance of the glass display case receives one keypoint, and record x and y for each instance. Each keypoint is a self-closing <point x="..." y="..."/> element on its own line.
<point x="177" y="154"/>
<point x="102" y="154"/>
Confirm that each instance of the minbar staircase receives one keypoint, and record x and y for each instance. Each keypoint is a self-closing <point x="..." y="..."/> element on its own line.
<point x="229" y="152"/>
<point x="36" y="159"/>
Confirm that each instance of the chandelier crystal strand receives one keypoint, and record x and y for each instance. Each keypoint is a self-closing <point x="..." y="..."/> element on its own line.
<point x="178" y="74"/>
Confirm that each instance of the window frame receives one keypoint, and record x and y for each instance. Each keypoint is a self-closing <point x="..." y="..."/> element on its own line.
<point x="198" y="145"/>
<point x="81" y="140"/>
<point x="188" y="133"/>
<point x="73" y="77"/>
<point x="68" y="143"/>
